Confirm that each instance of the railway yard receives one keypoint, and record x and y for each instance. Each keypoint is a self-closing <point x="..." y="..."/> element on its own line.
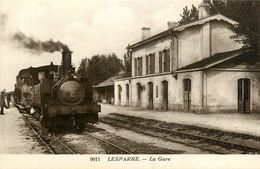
<point x="121" y="133"/>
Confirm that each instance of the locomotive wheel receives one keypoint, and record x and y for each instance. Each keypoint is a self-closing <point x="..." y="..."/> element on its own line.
<point x="37" y="114"/>
<point x="43" y="121"/>
<point x="80" y="122"/>
<point x="42" y="118"/>
<point x="80" y="126"/>
<point x="92" y="118"/>
<point x="51" y="124"/>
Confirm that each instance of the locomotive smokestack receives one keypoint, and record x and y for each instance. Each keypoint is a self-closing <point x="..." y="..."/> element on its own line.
<point x="66" y="63"/>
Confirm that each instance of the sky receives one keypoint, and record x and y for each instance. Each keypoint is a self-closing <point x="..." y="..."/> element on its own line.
<point x="88" y="27"/>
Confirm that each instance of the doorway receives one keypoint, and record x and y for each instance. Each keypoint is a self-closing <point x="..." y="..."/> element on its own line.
<point x="244" y="95"/>
<point x="150" y="95"/>
<point x="139" y="89"/>
<point x="127" y="93"/>
<point x="165" y="95"/>
<point x="119" y="94"/>
<point x="187" y="95"/>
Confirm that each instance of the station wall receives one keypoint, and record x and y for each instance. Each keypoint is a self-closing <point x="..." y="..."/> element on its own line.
<point x="222" y="91"/>
<point x="175" y="91"/>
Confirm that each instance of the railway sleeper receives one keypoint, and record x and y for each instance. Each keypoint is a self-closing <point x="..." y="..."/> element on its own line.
<point x="183" y="135"/>
<point x="239" y="139"/>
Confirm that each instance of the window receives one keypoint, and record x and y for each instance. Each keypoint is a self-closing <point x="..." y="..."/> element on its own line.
<point x="166" y="60"/>
<point x="135" y="66"/>
<point x="187" y="85"/>
<point x="138" y="66"/>
<point x="140" y="59"/>
<point x="150" y="64"/>
<point x="160" y="62"/>
<point x="147" y="64"/>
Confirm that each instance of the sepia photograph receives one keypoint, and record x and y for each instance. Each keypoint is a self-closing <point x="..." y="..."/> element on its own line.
<point x="129" y="84"/>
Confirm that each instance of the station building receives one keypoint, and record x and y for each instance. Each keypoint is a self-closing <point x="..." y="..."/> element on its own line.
<point x="104" y="91"/>
<point x="194" y="67"/>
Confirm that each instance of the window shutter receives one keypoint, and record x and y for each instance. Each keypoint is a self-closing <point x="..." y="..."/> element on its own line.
<point x="153" y="63"/>
<point x="135" y="67"/>
<point x="160" y="62"/>
<point x="141" y="66"/>
<point x="168" y="60"/>
<point x="164" y="60"/>
<point x="147" y="64"/>
<point x="150" y="64"/>
<point x="138" y="66"/>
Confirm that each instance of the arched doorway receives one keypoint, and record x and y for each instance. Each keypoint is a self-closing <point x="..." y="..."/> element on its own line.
<point x="150" y="95"/>
<point x="127" y="93"/>
<point x="139" y="89"/>
<point x="244" y="95"/>
<point x="165" y="95"/>
<point x="187" y="94"/>
<point x="119" y="94"/>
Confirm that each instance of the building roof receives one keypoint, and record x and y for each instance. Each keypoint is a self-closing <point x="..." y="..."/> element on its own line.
<point x="182" y="27"/>
<point x="110" y="81"/>
<point x="214" y="60"/>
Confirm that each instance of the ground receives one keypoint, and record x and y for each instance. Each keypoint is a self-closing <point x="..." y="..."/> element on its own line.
<point x="16" y="137"/>
<point x="241" y="123"/>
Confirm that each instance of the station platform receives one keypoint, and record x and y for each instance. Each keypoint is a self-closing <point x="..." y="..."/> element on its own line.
<point x="16" y="136"/>
<point x="235" y="122"/>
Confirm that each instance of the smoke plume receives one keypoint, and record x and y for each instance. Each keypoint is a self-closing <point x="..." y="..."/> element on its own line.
<point x="3" y="19"/>
<point x="31" y="44"/>
<point x="38" y="46"/>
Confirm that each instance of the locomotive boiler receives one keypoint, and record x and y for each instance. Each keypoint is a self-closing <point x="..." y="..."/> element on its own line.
<point x="60" y="99"/>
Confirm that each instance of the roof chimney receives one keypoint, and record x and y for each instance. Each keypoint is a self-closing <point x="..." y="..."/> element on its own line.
<point x="172" y="24"/>
<point x="145" y="33"/>
<point x="204" y="9"/>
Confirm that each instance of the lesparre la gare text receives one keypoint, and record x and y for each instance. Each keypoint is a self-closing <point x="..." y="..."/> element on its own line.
<point x="136" y="158"/>
<point x="121" y="158"/>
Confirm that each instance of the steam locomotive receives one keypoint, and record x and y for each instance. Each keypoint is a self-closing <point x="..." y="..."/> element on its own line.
<point x="55" y="97"/>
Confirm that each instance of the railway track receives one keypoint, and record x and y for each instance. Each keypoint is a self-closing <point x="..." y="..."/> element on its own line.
<point x="56" y="146"/>
<point x="53" y="145"/>
<point x="208" y="143"/>
<point x="124" y="151"/>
